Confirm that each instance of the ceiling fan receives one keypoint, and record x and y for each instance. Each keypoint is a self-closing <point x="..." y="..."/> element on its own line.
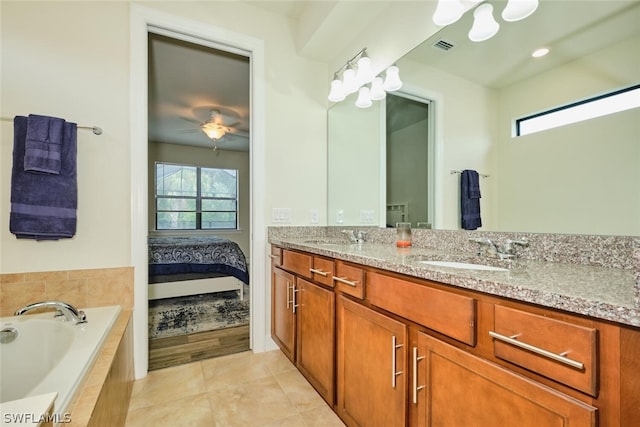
<point x="220" y="122"/>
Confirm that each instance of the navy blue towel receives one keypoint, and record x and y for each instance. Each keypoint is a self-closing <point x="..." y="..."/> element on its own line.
<point x="43" y="206"/>
<point x="44" y="144"/>
<point x="470" y="200"/>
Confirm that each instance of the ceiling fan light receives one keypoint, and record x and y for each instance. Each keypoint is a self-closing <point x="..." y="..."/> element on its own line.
<point x="377" y="90"/>
<point x="214" y="131"/>
<point x="392" y="80"/>
<point x="484" y="25"/>
<point x="337" y="91"/>
<point x="519" y="9"/>
<point x="447" y="12"/>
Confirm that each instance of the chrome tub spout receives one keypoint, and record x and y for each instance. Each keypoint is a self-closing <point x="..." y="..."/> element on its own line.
<point x="70" y="313"/>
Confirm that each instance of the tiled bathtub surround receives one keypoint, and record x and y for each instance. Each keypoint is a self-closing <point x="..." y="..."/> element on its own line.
<point x="592" y="275"/>
<point x="80" y="288"/>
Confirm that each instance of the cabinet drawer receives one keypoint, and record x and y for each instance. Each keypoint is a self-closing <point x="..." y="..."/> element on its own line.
<point x="349" y="280"/>
<point x="445" y="312"/>
<point x="323" y="270"/>
<point x="297" y="262"/>
<point x="276" y="256"/>
<point x="559" y="350"/>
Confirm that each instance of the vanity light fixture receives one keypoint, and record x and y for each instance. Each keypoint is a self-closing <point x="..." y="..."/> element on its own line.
<point x="484" y="25"/>
<point x="361" y="79"/>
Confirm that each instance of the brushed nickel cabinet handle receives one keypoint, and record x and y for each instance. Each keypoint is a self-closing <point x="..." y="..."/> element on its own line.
<point x="293" y="300"/>
<point x="290" y="287"/>
<point x="394" y="348"/>
<point x="320" y="272"/>
<point x="272" y="256"/>
<point x="416" y="388"/>
<point x="345" y="281"/>
<point x="542" y="352"/>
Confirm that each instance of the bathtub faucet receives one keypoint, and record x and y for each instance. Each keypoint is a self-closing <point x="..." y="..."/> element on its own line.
<point x="70" y="313"/>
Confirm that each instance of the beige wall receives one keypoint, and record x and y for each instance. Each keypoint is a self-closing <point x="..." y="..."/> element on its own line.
<point x="205" y="157"/>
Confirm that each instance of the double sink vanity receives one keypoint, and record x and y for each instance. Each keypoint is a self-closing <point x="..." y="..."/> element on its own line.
<point x="437" y="335"/>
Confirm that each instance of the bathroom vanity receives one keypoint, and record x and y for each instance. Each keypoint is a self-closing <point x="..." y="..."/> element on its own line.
<point x="390" y="340"/>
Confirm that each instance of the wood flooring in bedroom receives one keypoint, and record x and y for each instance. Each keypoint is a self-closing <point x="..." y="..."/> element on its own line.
<point x="181" y="349"/>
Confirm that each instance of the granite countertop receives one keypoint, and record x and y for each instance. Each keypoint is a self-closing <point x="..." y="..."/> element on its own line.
<point x="595" y="291"/>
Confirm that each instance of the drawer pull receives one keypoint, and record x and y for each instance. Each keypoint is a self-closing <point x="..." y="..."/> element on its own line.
<point x="416" y="387"/>
<point x="394" y="348"/>
<point x="557" y="357"/>
<point x="345" y="281"/>
<point x="320" y="272"/>
<point x="272" y="256"/>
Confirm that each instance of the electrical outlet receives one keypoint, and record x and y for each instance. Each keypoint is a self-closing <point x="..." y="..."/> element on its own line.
<point x="314" y="216"/>
<point x="340" y="216"/>
<point x="366" y="216"/>
<point x="281" y="215"/>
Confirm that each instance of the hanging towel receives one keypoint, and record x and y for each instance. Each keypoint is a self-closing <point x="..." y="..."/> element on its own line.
<point x="44" y="142"/>
<point x="470" y="199"/>
<point x="43" y="206"/>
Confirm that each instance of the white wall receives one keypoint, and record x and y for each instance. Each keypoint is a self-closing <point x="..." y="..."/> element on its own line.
<point x="588" y="171"/>
<point x="464" y="138"/>
<point x="58" y="59"/>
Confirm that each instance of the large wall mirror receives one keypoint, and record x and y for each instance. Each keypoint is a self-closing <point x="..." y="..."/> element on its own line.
<point x="582" y="178"/>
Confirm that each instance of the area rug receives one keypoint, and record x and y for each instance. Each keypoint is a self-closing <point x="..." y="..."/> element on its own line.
<point x="197" y="313"/>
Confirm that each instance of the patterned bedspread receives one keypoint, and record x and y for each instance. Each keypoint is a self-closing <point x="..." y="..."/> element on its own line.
<point x="202" y="254"/>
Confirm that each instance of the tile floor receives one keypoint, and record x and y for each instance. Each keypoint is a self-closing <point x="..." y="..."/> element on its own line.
<point x="243" y="389"/>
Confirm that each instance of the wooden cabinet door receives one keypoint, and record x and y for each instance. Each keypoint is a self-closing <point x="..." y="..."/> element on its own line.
<point x="315" y="314"/>
<point x="283" y="325"/>
<point x="371" y="366"/>
<point x="463" y="390"/>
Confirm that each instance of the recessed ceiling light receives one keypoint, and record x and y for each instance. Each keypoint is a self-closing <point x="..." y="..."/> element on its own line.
<point x="540" y="52"/>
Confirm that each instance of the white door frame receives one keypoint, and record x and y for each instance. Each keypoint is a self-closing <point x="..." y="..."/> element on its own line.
<point x="143" y="20"/>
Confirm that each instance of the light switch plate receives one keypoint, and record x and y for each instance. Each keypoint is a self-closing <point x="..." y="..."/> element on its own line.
<point x="314" y="216"/>
<point x="281" y="215"/>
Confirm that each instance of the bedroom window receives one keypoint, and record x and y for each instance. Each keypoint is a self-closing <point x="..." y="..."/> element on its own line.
<point x="196" y="198"/>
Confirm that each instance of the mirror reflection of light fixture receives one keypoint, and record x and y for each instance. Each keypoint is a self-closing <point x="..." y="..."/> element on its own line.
<point x="484" y="25"/>
<point x="519" y="9"/>
<point x="362" y="77"/>
<point x="447" y="12"/>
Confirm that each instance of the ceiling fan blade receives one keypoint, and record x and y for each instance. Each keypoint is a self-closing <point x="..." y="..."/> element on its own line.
<point x="188" y="130"/>
<point x="189" y="119"/>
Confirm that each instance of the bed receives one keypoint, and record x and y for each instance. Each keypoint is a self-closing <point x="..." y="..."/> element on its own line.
<point x="181" y="266"/>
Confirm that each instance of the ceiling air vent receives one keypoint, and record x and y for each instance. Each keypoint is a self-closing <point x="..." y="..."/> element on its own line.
<point x="443" y="44"/>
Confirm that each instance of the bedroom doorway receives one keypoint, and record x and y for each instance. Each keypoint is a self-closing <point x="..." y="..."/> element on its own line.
<point x="199" y="199"/>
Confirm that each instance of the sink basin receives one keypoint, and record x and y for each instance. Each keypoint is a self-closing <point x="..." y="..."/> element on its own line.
<point x="463" y="265"/>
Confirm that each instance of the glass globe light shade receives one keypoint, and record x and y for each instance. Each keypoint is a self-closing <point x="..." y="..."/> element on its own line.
<point x="392" y="79"/>
<point x="484" y="25"/>
<point x="364" y="99"/>
<point x="519" y="9"/>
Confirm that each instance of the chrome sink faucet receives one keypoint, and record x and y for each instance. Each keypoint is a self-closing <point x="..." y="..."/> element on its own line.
<point x="505" y="251"/>
<point x="70" y="313"/>
<point x="354" y="236"/>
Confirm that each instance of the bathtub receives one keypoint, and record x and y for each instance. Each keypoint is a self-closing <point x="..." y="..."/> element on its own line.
<point x="49" y="355"/>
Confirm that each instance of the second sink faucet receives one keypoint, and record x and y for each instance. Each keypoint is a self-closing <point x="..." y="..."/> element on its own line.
<point x="505" y="251"/>
<point x="356" y="236"/>
<point x="70" y="313"/>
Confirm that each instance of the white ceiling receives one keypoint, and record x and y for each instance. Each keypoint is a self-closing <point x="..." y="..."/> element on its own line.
<point x="186" y="80"/>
